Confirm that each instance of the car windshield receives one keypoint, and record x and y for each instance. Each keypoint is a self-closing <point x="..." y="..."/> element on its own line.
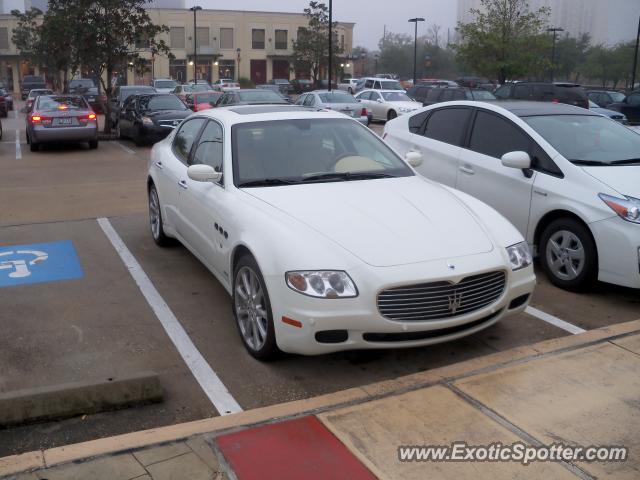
<point x="260" y="96"/>
<point x="282" y="152"/>
<point x="391" y="85"/>
<point x="161" y="102"/>
<point x="165" y="84"/>
<point x="51" y="103"/>
<point x="336" y="97"/>
<point x="396" y="97"/>
<point x="588" y="139"/>
<point x="134" y="91"/>
<point x="482" y="95"/>
<point x="198" y="87"/>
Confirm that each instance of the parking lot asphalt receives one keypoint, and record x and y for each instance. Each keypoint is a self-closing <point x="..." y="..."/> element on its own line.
<point x="97" y="323"/>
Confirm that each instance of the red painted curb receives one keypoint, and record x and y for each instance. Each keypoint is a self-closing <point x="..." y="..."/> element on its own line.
<point x="302" y="448"/>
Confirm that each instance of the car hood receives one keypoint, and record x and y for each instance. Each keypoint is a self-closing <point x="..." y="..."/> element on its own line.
<point x="384" y="222"/>
<point x="167" y="114"/>
<point x="403" y="104"/>
<point x="622" y="178"/>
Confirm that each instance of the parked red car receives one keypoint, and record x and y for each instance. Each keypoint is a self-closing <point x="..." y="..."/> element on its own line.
<point x="198" y="101"/>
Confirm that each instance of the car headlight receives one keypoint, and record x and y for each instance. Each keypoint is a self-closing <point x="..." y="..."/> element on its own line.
<point x="405" y="109"/>
<point x="519" y="256"/>
<point x="147" y="121"/>
<point x="322" y="283"/>
<point x="627" y="208"/>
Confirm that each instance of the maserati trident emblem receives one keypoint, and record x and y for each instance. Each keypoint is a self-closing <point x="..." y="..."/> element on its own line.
<point x="455" y="301"/>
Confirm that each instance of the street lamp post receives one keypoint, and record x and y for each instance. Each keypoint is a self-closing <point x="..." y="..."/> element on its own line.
<point x="555" y="30"/>
<point x="330" y="40"/>
<point x="238" y="51"/>
<point x="635" y="58"/>
<point x="375" y="68"/>
<point x="195" y="43"/>
<point x="415" y="45"/>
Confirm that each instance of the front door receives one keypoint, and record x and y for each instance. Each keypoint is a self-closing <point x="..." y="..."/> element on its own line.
<point x="482" y="175"/>
<point x="259" y="71"/>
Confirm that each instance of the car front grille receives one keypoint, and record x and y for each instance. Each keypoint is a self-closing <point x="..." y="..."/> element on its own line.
<point x="437" y="300"/>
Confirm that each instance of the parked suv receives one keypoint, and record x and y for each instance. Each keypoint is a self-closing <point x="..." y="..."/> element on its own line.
<point x="88" y="89"/>
<point x="448" y="94"/>
<point x="569" y="93"/>
<point x="29" y="82"/>
<point x="120" y="94"/>
<point x="375" y="83"/>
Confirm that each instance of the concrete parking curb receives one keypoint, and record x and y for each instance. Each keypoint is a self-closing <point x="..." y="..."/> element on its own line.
<point x="95" y="448"/>
<point x="78" y="398"/>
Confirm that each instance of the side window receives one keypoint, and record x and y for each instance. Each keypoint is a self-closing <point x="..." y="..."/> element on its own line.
<point x="634" y="100"/>
<point x="447" y="125"/>
<point x="365" y="96"/>
<point x="522" y="91"/>
<point x="460" y="95"/>
<point x="183" y="141"/>
<point x="309" y="101"/>
<point x="433" y="94"/>
<point x="301" y="99"/>
<point x="368" y="84"/>
<point x="446" y="95"/>
<point x="543" y="92"/>
<point x="494" y="136"/>
<point x="503" y="92"/>
<point x="377" y="85"/>
<point x="415" y="122"/>
<point x="542" y="162"/>
<point x="209" y="148"/>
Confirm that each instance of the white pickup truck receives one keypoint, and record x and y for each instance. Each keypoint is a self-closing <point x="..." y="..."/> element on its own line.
<point x="348" y="85"/>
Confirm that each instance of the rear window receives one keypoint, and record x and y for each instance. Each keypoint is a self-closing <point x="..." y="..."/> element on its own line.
<point x="260" y="96"/>
<point x="390" y="85"/>
<point x="572" y="93"/>
<point x="336" y="97"/>
<point x="50" y="103"/>
<point x="165" y="84"/>
<point x="33" y="79"/>
<point x="210" y="98"/>
<point x="482" y="95"/>
<point x="82" y="84"/>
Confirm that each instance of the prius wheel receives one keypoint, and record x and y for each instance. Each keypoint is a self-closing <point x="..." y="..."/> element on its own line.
<point x="155" y="219"/>
<point x="568" y="254"/>
<point x="252" y="310"/>
<point x="391" y="115"/>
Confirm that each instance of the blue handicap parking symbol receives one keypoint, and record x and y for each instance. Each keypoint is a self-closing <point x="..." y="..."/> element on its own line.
<point x="38" y="263"/>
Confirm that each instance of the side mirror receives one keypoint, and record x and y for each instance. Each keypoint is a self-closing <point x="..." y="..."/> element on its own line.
<point x="413" y="158"/>
<point x="203" y="173"/>
<point x="519" y="160"/>
<point x="379" y="100"/>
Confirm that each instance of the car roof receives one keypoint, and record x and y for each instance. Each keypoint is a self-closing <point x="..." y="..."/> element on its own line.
<point x="264" y="113"/>
<point x="382" y="90"/>
<point x="524" y="108"/>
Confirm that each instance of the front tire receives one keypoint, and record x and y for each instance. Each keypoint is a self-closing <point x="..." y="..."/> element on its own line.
<point x="155" y="219"/>
<point x="252" y="310"/>
<point x="568" y="254"/>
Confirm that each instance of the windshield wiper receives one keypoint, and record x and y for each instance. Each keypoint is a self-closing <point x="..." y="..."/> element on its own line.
<point x="346" y="176"/>
<point x="589" y="163"/>
<point x="266" y="182"/>
<point x="628" y="161"/>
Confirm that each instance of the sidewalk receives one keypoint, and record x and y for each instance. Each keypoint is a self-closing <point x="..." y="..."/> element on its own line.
<point x="581" y="390"/>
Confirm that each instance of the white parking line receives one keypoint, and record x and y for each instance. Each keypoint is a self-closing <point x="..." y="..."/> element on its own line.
<point x="204" y="374"/>
<point x="125" y="148"/>
<point x="18" y="149"/>
<point x="545" y="317"/>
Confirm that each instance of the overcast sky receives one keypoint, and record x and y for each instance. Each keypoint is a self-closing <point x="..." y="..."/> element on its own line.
<point x="369" y="16"/>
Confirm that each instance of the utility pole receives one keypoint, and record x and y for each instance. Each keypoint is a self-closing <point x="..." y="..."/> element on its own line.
<point x="195" y="44"/>
<point x="330" y="40"/>
<point x="415" y="45"/>
<point x="635" y="58"/>
<point x="555" y="30"/>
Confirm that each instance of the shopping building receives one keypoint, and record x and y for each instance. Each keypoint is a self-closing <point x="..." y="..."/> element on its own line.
<point x="230" y="44"/>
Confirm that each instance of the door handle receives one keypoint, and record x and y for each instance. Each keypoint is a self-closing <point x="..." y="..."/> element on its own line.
<point x="159" y="165"/>
<point x="183" y="184"/>
<point x="467" y="169"/>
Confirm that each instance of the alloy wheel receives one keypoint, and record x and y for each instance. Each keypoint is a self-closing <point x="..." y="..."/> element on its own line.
<point x="565" y="255"/>
<point x="154" y="213"/>
<point x="250" y="308"/>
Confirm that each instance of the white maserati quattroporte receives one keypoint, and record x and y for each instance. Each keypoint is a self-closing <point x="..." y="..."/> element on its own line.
<point x="326" y="239"/>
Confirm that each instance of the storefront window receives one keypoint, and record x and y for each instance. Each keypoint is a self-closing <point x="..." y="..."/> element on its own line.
<point x="227" y="69"/>
<point x="178" y="70"/>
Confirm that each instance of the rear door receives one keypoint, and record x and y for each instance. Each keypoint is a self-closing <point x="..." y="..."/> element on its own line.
<point x="482" y="175"/>
<point x="438" y="140"/>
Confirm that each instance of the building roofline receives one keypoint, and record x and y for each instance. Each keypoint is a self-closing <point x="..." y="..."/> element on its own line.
<point x="263" y="12"/>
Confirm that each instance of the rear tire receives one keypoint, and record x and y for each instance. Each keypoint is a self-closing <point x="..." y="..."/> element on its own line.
<point x="93" y="144"/>
<point x="568" y="255"/>
<point x="155" y="219"/>
<point x="391" y="115"/>
<point x="34" y="147"/>
<point x="252" y="310"/>
<point x="137" y="136"/>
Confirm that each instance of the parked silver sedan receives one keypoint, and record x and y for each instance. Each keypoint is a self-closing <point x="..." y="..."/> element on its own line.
<point x="337" y="100"/>
<point x="61" y="118"/>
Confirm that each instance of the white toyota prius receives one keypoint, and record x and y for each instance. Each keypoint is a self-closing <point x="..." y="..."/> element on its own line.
<point x="326" y="239"/>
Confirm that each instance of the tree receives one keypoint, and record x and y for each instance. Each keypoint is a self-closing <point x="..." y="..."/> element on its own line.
<point x="311" y="48"/>
<point x="506" y="40"/>
<point x="570" y="53"/>
<point x="104" y="33"/>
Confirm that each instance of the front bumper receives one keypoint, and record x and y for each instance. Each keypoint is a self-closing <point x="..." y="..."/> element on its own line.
<point x="618" y="244"/>
<point x="363" y="327"/>
<point x="41" y="134"/>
